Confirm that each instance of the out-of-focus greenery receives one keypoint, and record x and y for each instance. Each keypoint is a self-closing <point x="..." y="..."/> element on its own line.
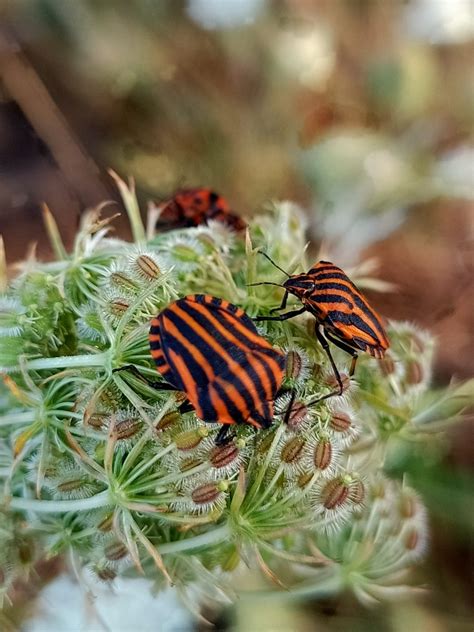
<point x="343" y="104"/>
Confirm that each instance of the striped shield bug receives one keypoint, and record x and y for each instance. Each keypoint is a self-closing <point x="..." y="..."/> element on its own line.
<point x="193" y="207"/>
<point x="211" y="350"/>
<point x="343" y="316"/>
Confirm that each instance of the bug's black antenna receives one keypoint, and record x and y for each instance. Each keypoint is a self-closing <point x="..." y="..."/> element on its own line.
<point x="264" y="283"/>
<point x="273" y="263"/>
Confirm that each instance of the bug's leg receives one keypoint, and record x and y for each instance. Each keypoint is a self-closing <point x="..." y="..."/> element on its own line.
<point x="223" y="437"/>
<point x="259" y="421"/>
<point x="159" y="386"/>
<point x="289" y="408"/>
<point x="283" y="303"/>
<point x="282" y="391"/>
<point x="281" y="316"/>
<point x="325" y="345"/>
<point x="185" y="407"/>
<point x="353" y="364"/>
<point x="167" y="226"/>
<point x="348" y="349"/>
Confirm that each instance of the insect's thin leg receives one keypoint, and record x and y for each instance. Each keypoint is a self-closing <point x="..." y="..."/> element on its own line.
<point x="283" y="303"/>
<point x="167" y="226"/>
<point x="159" y="386"/>
<point x="353" y="364"/>
<point x="185" y="407"/>
<point x="263" y="422"/>
<point x="348" y="349"/>
<point x="223" y="437"/>
<point x="281" y="316"/>
<point x="264" y="283"/>
<point x="325" y="345"/>
<point x="283" y="391"/>
<point x="289" y="407"/>
<point x="273" y="263"/>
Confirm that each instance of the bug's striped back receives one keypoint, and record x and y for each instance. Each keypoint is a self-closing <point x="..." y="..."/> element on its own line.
<point x="193" y="207"/>
<point x="211" y="350"/>
<point x="339" y="306"/>
<point x="346" y="312"/>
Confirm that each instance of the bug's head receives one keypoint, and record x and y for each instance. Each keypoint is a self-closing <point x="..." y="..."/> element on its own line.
<point x="169" y="212"/>
<point x="301" y="285"/>
<point x="235" y="222"/>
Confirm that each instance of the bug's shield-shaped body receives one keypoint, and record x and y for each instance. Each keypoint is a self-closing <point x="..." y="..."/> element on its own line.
<point x="211" y="350"/>
<point x="340" y="308"/>
<point x="193" y="207"/>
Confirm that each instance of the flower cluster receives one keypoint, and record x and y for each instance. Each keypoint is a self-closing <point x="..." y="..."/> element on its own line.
<point x="100" y="465"/>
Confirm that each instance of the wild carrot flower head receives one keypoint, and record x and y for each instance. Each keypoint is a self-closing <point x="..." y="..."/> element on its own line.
<point x="100" y="463"/>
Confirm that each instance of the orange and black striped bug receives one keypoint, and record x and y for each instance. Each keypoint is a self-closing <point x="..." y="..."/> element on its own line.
<point x="193" y="207"/>
<point x="211" y="350"/>
<point x="343" y="315"/>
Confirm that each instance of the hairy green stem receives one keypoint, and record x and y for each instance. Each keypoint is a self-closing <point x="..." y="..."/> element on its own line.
<point x="206" y="539"/>
<point x="58" y="506"/>
<point x="172" y="478"/>
<point x="263" y="468"/>
<point x="329" y="582"/>
<point x="79" y="361"/>
<point x="18" y="418"/>
<point x="159" y="455"/>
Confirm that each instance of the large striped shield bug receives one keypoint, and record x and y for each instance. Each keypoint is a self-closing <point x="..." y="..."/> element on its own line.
<point x="343" y="316"/>
<point x="193" y="207"/>
<point x="211" y="350"/>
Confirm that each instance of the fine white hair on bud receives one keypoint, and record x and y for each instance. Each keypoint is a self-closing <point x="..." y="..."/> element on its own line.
<point x="12" y="316"/>
<point x="216" y="235"/>
<point x="294" y="411"/>
<point x="121" y="280"/>
<point x="114" y="551"/>
<point x="101" y="573"/>
<point x="89" y="324"/>
<point x="202" y="496"/>
<point x="227" y="459"/>
<point x="165" y="421"/>
<point x="188" y="435"/>
<point x="115" y="306"/>
<point x="183" y="251"/>
<point x="100" y="519"/>
<point x="293" y="452"/>
<point x="128" y="425"/>
<point x="331" y="502"/>
<point x="342" y="423"/>
<point x="325" y="454"/>
<point x="357" y="491"/>
<point x="348" y="384"/>
<point x="298" y="364"/>
<point x="145" y="265"/>
<point x="109" y="557"/>
<point x="66" y="481"/>
<point x="412" y="356"/>
<point x="415" y="541"/>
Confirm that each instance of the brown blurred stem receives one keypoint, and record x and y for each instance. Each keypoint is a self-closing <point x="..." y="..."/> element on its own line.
<point x="23" y="85"/>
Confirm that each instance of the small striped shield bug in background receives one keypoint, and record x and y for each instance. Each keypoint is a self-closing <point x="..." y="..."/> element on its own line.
<point x="343" y="316"/>
<point x="193" y="207"/>
<point x="211" y="350"/>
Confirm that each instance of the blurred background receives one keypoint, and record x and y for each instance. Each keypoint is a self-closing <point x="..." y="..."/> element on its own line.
<point x="359" y="110"/>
